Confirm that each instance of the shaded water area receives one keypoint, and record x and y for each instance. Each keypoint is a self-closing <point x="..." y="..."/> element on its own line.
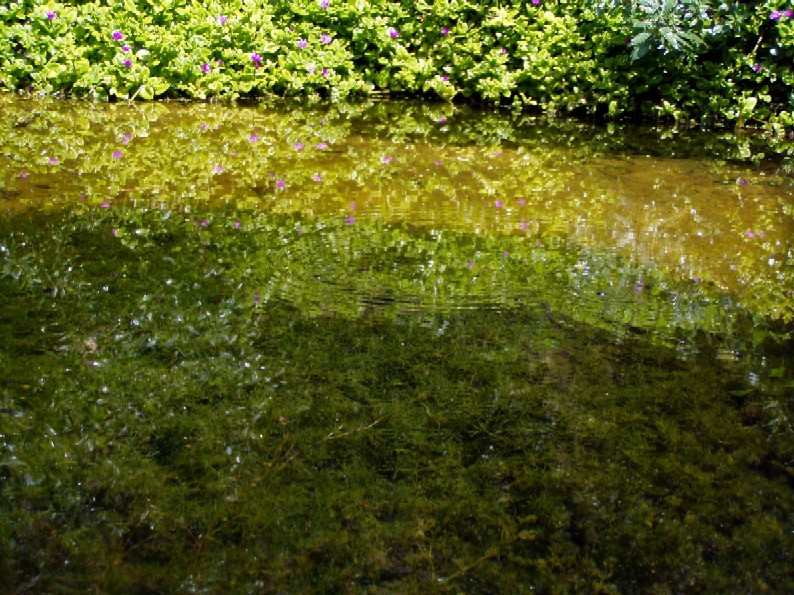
<point x="391" y="347"/>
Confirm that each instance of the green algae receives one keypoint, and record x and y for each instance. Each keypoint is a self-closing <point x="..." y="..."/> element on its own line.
<point x="198" y="395"/>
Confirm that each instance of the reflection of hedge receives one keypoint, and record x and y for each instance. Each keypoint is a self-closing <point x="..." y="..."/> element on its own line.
<point x="563" y="55"/>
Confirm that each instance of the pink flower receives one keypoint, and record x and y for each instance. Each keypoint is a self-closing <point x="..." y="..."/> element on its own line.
<point x="125" y="48"/>
<point x="325" y="72"/>
<point x="256" y="59"/>
<point x="222" y="19"/>
<point x="237" y="225"/>
<point x="53" y="160"/>
<point x="317" y="178"/>
<point x="299" y="146"/>
<point x="206" y="67"/>
<point x="51" y="15"/>
<point x="303" y="44"/>
<point x="105" y="204"/>
<point x="393" y="33"/>
<point x="353" y="205"/>
<point x="325" y="38"/>
<point x="324" y="4"/>
<point x="521" y="202"/>
<point x="445" y="31"/>
<point x="117" y="154"/>
<point x="218" y="169"/>
<point x="386" y="158"/>
<point x="523" y="225"/>
<point x="253" y="138"/>
<point x="775" y="15"/>
<point x="281" y="184"/>
<point x="350" y="220"/>
<point x="24" y="175"/>
<point x="127" y="63"/>
<point x="203" y="223"/>
<point x="118" y="35"/>
<point x="498" y="204"/>
<point x="322" y="146"/>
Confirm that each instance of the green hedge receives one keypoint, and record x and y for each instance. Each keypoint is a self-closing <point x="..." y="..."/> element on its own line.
<point x="682" y="59"/>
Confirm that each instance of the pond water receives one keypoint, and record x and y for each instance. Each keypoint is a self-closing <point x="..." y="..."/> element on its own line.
<point x="391" y="347"/>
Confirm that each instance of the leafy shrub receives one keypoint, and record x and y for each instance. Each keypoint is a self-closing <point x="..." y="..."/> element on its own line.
<point x="682" y="59"/>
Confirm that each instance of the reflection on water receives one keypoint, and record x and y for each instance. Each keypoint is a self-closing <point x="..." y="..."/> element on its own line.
<point x="391" y="347"/>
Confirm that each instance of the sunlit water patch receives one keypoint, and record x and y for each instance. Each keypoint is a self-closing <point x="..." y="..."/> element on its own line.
<point x="391" y="346"/>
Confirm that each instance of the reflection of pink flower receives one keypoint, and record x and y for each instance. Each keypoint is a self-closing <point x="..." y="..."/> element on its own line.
<point x="498" y="204"/>
<point x="317" y="178"/>
<point x="105" y="204"/>
<point x="322" y="146"/>
<point x="126" y="138"/>
<point x="253" y="138"/>
<point x="117" y="154"/>
<point x="280" y="184"/>
<point x="53" y="160"/>
<point x="350" y="220"/>
<point x="353" y="205"/>
<point x="386" y="159"/>
<point x="521" y="202"/>
<point x="299" y="146"/>
<point x="237" y="225"/>
<point x="218" y="169"/>
<point x="524" y="225"/>
<point x="750" y="233"/>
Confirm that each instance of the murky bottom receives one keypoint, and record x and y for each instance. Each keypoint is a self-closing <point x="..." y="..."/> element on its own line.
<point x="204" y="395"/>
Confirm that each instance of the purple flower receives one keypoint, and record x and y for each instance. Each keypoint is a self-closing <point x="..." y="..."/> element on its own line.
<point x="756" y="68"/>
<point x="53" y="160"/>
<point x="105" y="204"/>
<point x="203" y="223"/>
<point x="521" y="202"/>
<point x="442" y="120"/>
<point x="352" y="205"/>
<point x="775" y="15"/>
<point x="51" y="15"/>
<point x="324" y="4"/>
<point x="222" y="19"/>
<point x="325" y="38"/>
<point x="322" y="146"/>
<point x="386" y="158"/>
<point x="125" y="139"/>
<point x="303" y="44"/>
<point x="445" y="31"/>
<point x="127" y="63"/>
<point x="237" y="225"/>
<point x="24" y="175"/>
<point x="253" y="138"/>
<point x="350" y="220"/>
<point x="444" y="77"/>
<point x="788" y="13"/>
<point x="325" y="72"/>
<point x="117" y="154"/>
<point x="281" y="184"/>
<point x="502" y="51"/>
<point x="311" y="68"/>
<point x="218" y="169"/>
<point x="256" y="59"/>
<point x="299" y="146"/>
<point x="118" y="35"/>
<point x="393" y="33"/>
<point x="317" y="178"/>
<point x="536" y="2"/>
<point x="206" y="67"/>
<point x="498" y="204"/>
<point x="125" y="48"/>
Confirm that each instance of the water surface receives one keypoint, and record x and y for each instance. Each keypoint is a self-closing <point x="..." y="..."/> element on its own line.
<point x="391" y="346"/>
